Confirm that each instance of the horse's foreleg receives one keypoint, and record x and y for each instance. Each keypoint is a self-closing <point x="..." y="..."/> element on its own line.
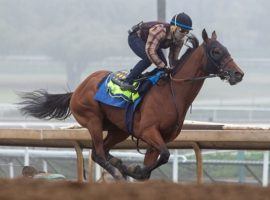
<point x="153" y="138"/>
<point x="151" y="156"/>
<point x="114" y="137"/>
<point x="98" y="154"/>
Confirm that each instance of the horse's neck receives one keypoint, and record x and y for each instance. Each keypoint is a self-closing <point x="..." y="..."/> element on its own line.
<point x="193" y="66"/>
<point x="187" y="91"/>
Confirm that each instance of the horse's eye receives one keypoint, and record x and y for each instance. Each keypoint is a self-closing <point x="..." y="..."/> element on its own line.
<point x="216" y="53"/>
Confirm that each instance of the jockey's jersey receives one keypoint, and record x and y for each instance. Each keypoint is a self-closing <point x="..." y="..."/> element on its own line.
<point x="144" y="30"/>
<point x="157" y="35"/>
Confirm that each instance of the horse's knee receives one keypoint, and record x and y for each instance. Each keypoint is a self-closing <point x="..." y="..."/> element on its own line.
<point x="93" y="153"/>
<point x="96" y="157"/>
<point x="164" y="156"/>
<point x="115" y="162"/>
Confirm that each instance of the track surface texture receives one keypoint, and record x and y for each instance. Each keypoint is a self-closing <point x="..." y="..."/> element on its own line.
<point x="25" y="189"/>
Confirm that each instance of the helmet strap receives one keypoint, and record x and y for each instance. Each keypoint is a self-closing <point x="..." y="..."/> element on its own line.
<point x="175" y="17"/>
<point x="174" y="28"/>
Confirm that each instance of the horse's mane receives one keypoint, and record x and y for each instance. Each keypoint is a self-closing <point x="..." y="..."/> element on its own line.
<point x="179" y="64"/>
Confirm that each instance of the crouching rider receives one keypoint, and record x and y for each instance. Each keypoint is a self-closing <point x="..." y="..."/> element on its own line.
<point x="147" y="41"/>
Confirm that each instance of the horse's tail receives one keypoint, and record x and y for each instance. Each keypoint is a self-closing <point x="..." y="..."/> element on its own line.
<point x="42" y="105"/>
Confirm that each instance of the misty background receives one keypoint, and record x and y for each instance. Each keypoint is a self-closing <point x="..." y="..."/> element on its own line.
<point x="55" y="44"/>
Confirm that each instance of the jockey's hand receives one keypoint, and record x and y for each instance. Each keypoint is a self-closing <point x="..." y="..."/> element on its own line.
<point x="168" y="69"/>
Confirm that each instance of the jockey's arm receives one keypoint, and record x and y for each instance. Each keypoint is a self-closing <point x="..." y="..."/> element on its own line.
<point x="156" y="34"/>
<point x="174" y="54"/>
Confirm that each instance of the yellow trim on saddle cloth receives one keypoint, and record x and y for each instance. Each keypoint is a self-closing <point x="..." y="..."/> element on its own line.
<point x="121" y="74"/>
<point x="117" y="91"/>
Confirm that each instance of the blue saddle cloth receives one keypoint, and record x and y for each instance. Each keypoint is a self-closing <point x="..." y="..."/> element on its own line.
<point x="103" y="95"/>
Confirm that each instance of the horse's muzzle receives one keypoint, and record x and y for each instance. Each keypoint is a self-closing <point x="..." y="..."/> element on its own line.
<point x="235" y="77"/>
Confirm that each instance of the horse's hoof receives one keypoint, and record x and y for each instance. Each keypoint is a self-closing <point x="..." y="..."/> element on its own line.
<point x="138" y="172"/>
<point x="118" y="175"/>
<point x="115" y="162"/>
<point x="106" y="177"/>
<point x="134" y="169"/>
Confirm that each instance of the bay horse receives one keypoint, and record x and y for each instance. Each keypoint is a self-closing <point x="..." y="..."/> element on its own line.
<point x="157" y="121"/>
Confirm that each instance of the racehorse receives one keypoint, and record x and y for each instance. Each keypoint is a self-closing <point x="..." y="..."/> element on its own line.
<point x="159" y="118"/>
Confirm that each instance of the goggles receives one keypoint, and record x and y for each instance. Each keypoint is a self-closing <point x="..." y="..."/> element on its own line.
<point x="181" y="30"/>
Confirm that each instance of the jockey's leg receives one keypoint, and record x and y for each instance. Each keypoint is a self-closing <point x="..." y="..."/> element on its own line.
<point x="137" y="70"/>
<point x="95" y="128"/>
<point x="114" y="137"/>
<point x="138" y="47"/>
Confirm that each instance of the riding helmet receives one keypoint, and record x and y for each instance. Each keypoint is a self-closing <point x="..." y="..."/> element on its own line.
<point x="182" y="20"/>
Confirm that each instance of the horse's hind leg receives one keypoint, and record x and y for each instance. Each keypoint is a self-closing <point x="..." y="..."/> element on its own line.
<point x="98" y="154"/>
<point x="114" y="137"/>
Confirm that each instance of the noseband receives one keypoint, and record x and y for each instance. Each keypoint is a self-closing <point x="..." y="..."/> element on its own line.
<point x="219" y="64"/>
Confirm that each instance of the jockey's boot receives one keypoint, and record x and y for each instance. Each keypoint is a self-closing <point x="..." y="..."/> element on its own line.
<point x="124" y="85"/>
<point x="134" y="73"/>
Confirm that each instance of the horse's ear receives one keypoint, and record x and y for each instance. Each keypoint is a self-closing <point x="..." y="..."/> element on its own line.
<point x="214" y="35"/>
<point x="204" y="35"/>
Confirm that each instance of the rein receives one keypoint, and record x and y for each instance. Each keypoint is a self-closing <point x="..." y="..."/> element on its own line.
<point x="179" y="80"/>
<point x="212" y="61"/>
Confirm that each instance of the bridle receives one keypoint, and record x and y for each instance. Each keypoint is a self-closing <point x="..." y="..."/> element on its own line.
<point x="219" y="64"/>
<point x="210" y="61"/>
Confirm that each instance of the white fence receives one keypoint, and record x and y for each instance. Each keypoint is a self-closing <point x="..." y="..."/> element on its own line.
<point x="176" y="159"/>
<point x="237" y="114"/>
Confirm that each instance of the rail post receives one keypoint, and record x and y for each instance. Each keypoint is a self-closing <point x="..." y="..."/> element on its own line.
<point x="91" y="167"/>
<point x="79" y="162"/>
<point x="198" y="154"/>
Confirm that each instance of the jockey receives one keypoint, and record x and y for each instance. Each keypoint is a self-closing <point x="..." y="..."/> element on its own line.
<point x="147" y="41"/>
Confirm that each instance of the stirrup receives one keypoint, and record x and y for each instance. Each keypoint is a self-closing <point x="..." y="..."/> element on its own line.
<point x="126" y="86"/>
<point x="117" y="81"/>
<point x="123" y="85"/>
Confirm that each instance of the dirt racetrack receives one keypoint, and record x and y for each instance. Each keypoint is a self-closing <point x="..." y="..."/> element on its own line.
<point x="153" y="190"/>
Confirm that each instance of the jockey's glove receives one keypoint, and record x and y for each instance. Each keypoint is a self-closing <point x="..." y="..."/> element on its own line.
<point x="168" y="69"/>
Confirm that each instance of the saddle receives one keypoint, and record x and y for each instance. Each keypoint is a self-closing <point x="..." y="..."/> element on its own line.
<point x="110" y="93"/>
<point x="116" y="79"/>
<point x="114" y="86"/>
